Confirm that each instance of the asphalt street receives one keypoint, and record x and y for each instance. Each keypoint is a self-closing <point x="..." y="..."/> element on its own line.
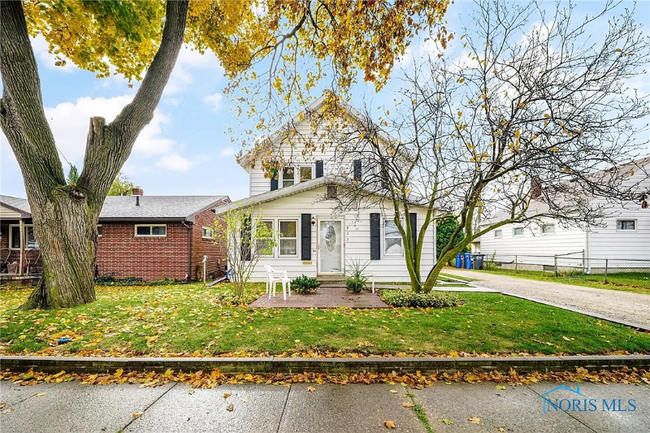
<point x="454" y="407"/>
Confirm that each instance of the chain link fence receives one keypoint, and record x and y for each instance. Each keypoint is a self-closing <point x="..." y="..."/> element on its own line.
<point x="568" y="263"/>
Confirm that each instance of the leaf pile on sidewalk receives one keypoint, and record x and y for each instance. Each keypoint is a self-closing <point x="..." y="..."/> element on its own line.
<point x="201" y="379"/>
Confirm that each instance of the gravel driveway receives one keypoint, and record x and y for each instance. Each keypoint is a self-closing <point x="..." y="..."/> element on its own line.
<point x="626" y="307"/>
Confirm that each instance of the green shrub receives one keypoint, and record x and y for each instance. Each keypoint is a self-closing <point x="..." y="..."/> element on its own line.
<point x="304" y="284"/>
<point x="356" y="281"/>
<point x="408" y="298"/>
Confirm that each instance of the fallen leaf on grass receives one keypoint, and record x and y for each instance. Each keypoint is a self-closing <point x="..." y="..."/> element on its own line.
<point x="137" y="414"/>
<point x="311" y="389"/>
<point x="226" y="395"/>
<point x="390" y="424"/>
<point x="407" y="404"/>
<point x="447" y="421"/>
<point x="230" y="407"/>
<point x="475" y="420"/>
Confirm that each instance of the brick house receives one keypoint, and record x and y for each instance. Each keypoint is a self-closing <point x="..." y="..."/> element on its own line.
<point x="150" y="237"/>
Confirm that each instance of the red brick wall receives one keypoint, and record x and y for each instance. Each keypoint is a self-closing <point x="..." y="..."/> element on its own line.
<point x="200" y="247"/>
<point x="121" y="254"/>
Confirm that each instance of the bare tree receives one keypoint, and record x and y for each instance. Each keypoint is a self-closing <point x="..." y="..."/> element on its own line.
<point x="531" y="121"/>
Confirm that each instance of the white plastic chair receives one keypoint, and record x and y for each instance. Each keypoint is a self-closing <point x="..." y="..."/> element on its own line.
<point x="273" y="278"/>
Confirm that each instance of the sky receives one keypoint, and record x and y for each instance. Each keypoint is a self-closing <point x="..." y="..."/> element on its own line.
<point x="187" y="149"/>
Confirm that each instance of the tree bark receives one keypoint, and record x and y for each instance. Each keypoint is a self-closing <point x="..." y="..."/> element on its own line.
<point x="65" y="216"/>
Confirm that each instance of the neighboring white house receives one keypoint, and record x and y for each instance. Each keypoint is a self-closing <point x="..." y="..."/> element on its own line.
<point x="623" y="237"/>
<point x="312" y="237"/>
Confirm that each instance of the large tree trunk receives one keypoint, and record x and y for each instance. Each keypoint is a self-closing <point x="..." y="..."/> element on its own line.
<point x="65" y="216"/>
<point x="67" y="237"/>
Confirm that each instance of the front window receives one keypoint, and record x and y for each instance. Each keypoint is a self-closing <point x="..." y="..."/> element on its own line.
<point x="306" y="173"/>
<point x="288" y="176"/>
<point x="288" y="239"/>
<point x="263" y="244"/>
<point x="518" y="231"/>
<point x="151" y="230"/>
<point x="207" y="233"/>
<point x="626" y="225"/>
<point x="14" y="237"/>
<point x="392" y="238"/>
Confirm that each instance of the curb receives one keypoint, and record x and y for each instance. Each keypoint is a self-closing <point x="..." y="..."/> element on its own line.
<point x="270" y="365"/>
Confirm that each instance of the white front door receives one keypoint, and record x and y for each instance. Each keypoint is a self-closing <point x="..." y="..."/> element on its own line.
<point x="330" y="246"/>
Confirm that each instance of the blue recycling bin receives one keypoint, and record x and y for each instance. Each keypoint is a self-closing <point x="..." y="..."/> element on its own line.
<point x="468" y="260"/>
<point x="459" y="260"/>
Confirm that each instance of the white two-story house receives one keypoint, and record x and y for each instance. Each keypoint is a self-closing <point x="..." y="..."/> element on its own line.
<point x="314" y="237"/>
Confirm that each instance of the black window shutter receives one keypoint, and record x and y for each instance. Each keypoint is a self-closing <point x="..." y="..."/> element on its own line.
<point x="384" y="179"/>
<point x="357" y="169"/>
<point x="305" y="236"/>
<point x="375" y="237"/>
<point x="274" y="180"/>
<point x="246" y="237"/>
<point x="414" y="229"/>
<point x="319" y="168"/>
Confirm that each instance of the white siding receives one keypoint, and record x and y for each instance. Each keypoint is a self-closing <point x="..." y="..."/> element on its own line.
<point x="356" y="240"/>
<point x="532" y="243"/>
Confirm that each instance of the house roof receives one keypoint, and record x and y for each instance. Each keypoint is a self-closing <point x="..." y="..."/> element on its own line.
<point x="152" y="207"/>
<point x="248" y="158"/>
<point x="287" y="191"/>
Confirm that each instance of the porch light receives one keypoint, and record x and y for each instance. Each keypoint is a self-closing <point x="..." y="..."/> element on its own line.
<point x="313" y="221"/>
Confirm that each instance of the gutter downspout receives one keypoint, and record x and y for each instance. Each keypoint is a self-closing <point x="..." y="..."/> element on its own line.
<point x="189" y="249"/>
<point x="586" y="258"/>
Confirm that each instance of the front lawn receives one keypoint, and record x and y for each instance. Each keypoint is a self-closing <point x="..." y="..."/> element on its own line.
<point x="636" y="282"/>
<point x="195" y="320"/>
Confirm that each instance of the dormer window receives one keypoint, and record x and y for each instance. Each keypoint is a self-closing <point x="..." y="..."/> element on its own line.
<point x="306" y="173"/>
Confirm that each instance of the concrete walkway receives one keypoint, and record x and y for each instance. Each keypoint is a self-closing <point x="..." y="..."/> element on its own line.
<point x="457" y="407"/>
<point x="625" y="307"/>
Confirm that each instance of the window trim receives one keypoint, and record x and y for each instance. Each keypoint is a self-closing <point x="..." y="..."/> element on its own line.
<point x="272" y="221"/>
<point x="383" y="237"/>
<point x="636" y="225"/>
<point x="211" y="231"/>
<point x="135" y="230"/>
<point x="514" y="235"/>
<point x="280" y="237"/>
<point x="27" y="247"/>
<point x="500" y="233"/>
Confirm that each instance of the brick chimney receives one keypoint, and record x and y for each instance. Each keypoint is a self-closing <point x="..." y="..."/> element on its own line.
<point x="137" y="191"/>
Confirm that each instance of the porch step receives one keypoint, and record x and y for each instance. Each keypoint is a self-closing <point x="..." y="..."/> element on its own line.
<point x="331" y="280"/>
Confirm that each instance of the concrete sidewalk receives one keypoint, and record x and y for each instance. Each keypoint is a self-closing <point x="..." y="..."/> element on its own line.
<point x="628" y="308"/>
<point x="73" y="407"/>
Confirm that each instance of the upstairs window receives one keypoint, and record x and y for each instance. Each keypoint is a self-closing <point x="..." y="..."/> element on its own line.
<point x="625" y="224"/>
<point x="306" y="173"/>
<point x="151" y="230"/>
<point x="100" y="230"/>
<point x="518" y="231"/>
<point x="331" y="193"/>
<point x="288" y="176"/>
<point x="498" y="233"/>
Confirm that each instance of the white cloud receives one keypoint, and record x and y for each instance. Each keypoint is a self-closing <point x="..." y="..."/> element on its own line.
<point x="420" y="52"/>
<point x="188" y="60"/>
<point x="70" y="120"/>
<point x="228" y="151"/>
<point x="214" y="101"/>
<point x="175" y="162"/>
